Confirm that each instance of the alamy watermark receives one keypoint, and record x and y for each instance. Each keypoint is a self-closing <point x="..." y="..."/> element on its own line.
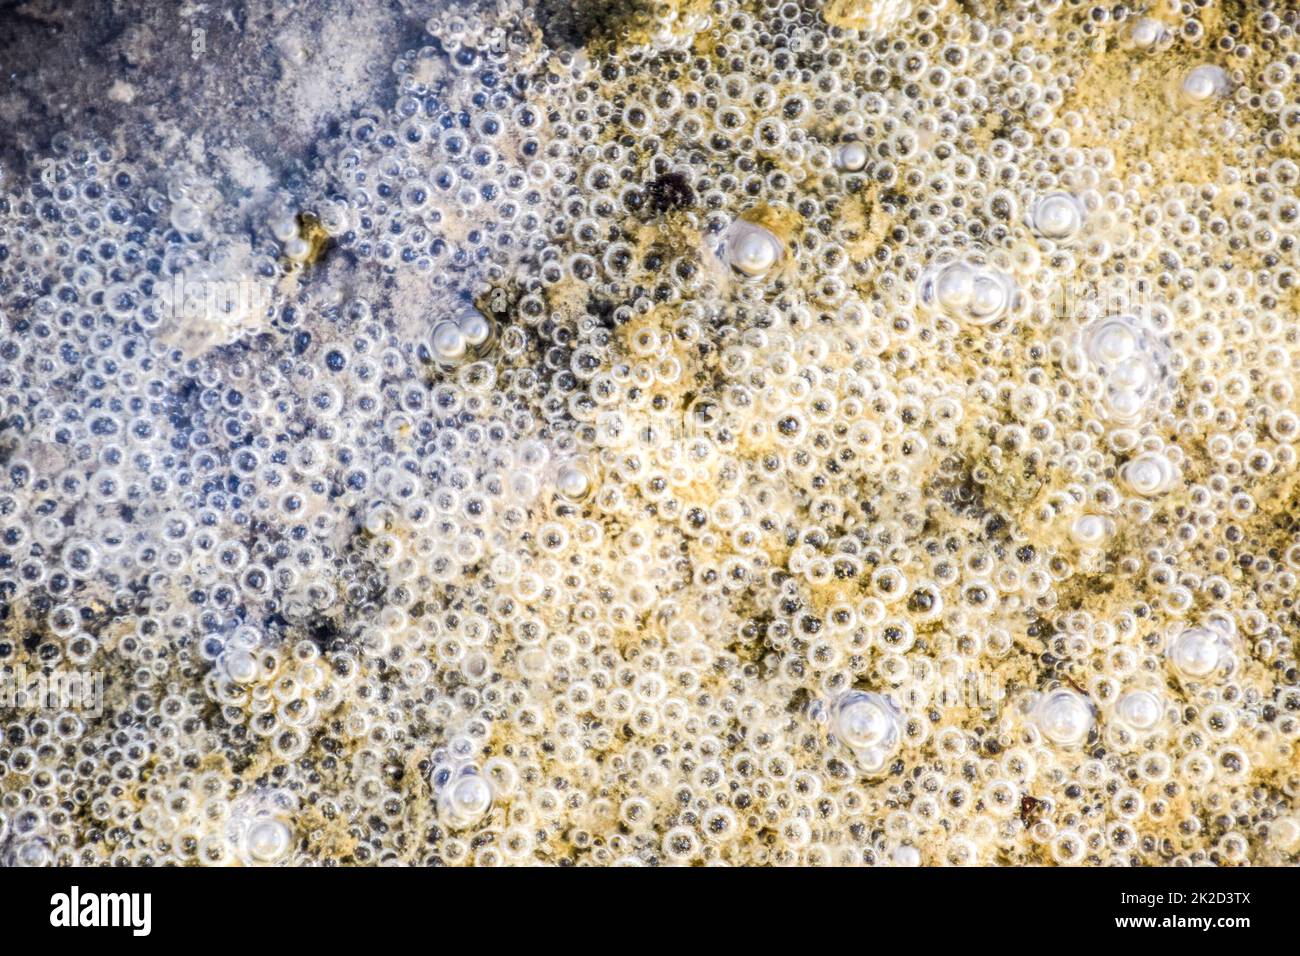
<point x="1118" y="295"/>
<point x="73" y="909"/>
<point x="52" y="692"/>
<point x="213" y="300"/>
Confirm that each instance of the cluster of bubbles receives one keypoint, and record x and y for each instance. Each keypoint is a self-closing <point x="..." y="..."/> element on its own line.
<point x="968" y="291"/>
<point x="868" y="725"/>
<point x="679" y="450"/>
<point x="1128" y="361"/>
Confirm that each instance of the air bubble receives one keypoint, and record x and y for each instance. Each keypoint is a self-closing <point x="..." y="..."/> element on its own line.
<point x="1091" y="531"/>
<point x="1147" y="33"/>
<point x="1204" y="83"/>
<point x="1056" y="216"/>
<point x="1065" y="717"/>
<point x="851" y="157"/>
<point x="464" y="800"/>
<point x="1197" y="652"/>
<point x="1148" y="475"/>
<point x="1139" y="709"/>
<point x="267" y="841"/>
<point x="751" y="249"/>
<point x="573" y="480"/>
<point x="868" y="725"/>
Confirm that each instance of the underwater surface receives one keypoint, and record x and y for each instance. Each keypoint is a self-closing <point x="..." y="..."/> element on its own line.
<point x="752" y="432"/>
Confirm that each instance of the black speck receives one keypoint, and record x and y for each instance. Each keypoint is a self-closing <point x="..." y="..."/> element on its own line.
<point x="670" y="191"/>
